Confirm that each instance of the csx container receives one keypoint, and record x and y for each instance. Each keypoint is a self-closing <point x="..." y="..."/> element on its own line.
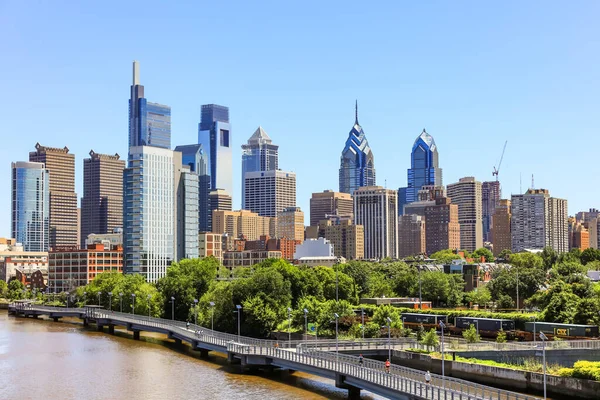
<point x="485" y="324"/>
<point x="562" y="329"/>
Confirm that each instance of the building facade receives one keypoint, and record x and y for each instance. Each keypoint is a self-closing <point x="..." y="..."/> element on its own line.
<point x="210" y="244"/>
<point x="60" y="165"/>
<point x="539" y="221"/>
<point x="269" y="192"/>
<point x="214" y="134"/>
<point x="579" y="237"/>
<point x="290" y="223"/>
<point x="218" y="199"/>
<point x="490" y="196"/>
<point x="348" y="239"/>
<point x="594" y="232"/>
<point x="247" y="258"/>
<point x="243" y="223"/>
<point x="376" y="209"/>
<point x="30" y="206"/>
<point x="259" y="154"/>
<point x="187" y="214"/>
<point x="194" y="157"/>
<point x="500" y="231"/>
<point x="424" y="167"/>
<point x="102" y="201"/>
<point x="442" y="230"/>
<point x="357" y="164"/>
<point x="466" y="194"/>
<point x="411" y="235"/>
<point x="327" y="203"/>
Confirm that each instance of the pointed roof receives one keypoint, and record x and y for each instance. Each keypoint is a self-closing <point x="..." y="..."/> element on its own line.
<point x="427" y="139"/>
<point x="260" y="136"/>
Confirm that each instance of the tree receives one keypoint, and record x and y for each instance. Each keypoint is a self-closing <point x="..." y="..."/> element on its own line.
<point x="445" y="256"/>
<point x="471" y="335"/>
<point x="15" y="290"/>
<point x="327" y="278"/>
<point x="549" y="257"/>
<point x="483" y="252"/>
<point x="589" y="255"/>
<point x="480" y="296"/>
<point x="526" y="260"/>
<point x="505" y="302"/>
<point x="3" y="289"/>
<point x="430" y="339"/>
<point x="383" y="312"/>
<point x="457" y="290"/>
<point x="420" y="332"/>
<point x="505" y="254"/>
<point x="434" y="286"/>
<point x="379" y="286"/>
<point x="501" y="338"/>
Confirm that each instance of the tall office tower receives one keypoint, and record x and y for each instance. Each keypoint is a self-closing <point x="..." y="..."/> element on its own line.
<point x="149" y="211"/>
<point x="594" y="231"/>
<point x="442" y="229"/>
<point x="149" y="123"/>
<point x="401" y="199"/>
<point x="357" y="165"/>
<point x="259" y="154"/>
<point x="214" y="134"/>
<point x="424" y="167"/>
<point x="290" y="223"/>
<point x="195" y="157"/>
<point x="328" y="202"/>
<point x="269" y="192"/>
<point x="411" y="235"/>
<point x="102" y="201"/>
<point x="490" y="196"/>
<point x="579" y="237"/>
<point x="348" y="239"/>
<point x="539" y="221"/>
<point x="218" y="199"/>
<point x="500" y="234"/>
<point x="376" y="209"/>
<point x="60" y="165"/>
<point x="466" y="194"/>
<point x="30" y="205"/>
<point x="243" y="223"/>
<point x="187" y="214"/>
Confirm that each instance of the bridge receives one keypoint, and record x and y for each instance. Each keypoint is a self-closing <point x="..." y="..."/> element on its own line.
<point x="323" y="360"/>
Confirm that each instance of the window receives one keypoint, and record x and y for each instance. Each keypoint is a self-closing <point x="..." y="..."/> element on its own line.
<point x="224" y="138"/>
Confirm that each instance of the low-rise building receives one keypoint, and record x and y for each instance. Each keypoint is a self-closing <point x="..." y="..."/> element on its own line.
<point x="210" y="244"/>
<point x="247" y="258"/>
<point x="324" y="261"/>
<point x="13" y="256"/>
<point x="32" y="278"/>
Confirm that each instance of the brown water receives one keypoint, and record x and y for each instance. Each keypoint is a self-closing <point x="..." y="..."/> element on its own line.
<point x="41" y="359"/>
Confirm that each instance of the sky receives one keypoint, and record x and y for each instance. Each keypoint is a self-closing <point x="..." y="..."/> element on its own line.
<point x="474" y="74"/>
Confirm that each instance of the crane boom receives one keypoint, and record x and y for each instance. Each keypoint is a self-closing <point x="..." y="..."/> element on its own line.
<point x="497" y="171"/>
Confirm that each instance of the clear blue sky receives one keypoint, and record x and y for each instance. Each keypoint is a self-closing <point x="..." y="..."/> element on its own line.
<point x="473" y="73"/>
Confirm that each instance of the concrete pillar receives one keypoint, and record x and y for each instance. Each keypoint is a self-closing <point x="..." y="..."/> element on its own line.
<point x="100" y="328"/>
<point x="54" y="318"/>
<point x="203" y="353"/>
<point x="136" y="335"/>
<point x="86" y="322"/>
<point x="178" y="342"/>
<point x="353" y="393"/>
<point x="111" y="329"/>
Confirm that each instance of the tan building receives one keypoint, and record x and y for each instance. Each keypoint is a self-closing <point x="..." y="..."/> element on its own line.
<point x="243" y="223"/>
<point x="269" y="192"/>
<point x="218" y="199"/>
<point x="348" y="240"/>
<point x="13" y="257"/>
<point x="324" y="204"/>
<point x="442" y="230"/>
<point x="63" y="199"/>
<point x="411" y="235"/>
<point x="102" y="201"/>
<point x="290" y="224"/>
<point x="579" y="237"/>
<point x="466" y="194"/>
<point x="247" y="258"/>
<point x="500" y="227"/>
<point x="210" y="244"/>
<point x="376" y="208"/>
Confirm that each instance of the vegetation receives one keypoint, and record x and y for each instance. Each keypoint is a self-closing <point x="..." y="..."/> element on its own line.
<point x="583" y="370"/>
<point x="430" y="339"/>
<point x="471" y="335"/>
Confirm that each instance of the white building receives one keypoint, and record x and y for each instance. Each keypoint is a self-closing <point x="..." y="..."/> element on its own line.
<point x="466" y="193"/>
<point x="376" y="209"/>
<point x="269" y="192"/>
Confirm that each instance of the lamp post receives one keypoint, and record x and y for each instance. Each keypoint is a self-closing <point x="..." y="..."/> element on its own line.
<point x="133" y="303"/>
<point x="121" y="297"/>
<point x="172" y="308"/>
<point x="389" y="326"/>
<point x="212" y="314"/>
<point x="238" y="309"/>
<point x="336" y="338"/>
<point x="110" y="300"/>
<point x="196" y="312"/>
<point x="442" y="326"/>
<point x="543" y="339"/>
<point x="305" y="323"/>
<point x="362" y="322"/>
<point x="420" y="295"/>
<point x="533" y="317"/>
<point x="289" y="327"/>
<point x="517" y="289"/>
<point x="336" y="285"/>
<point x="99" y="294"/>
<point x="148" y="298"/>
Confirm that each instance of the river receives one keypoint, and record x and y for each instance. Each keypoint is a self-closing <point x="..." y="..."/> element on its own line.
<point x="41" y="359"/>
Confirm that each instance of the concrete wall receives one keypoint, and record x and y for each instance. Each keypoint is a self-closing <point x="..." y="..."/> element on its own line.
<point x="562" y="357"/>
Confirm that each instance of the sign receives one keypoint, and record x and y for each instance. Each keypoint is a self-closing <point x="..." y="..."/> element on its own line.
<point x="312" y="327"/>
<point x="561" y="331"/>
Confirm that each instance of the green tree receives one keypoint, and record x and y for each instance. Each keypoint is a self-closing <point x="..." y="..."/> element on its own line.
<point x="434" y="286"/>
<point x="345" y="284"/>
<point x="471" y="335"/>
<point x="445" y="256"/>
<point x="483" y="252"/>
<point x="382" y="313"/>
<point x="15" y="290"/>
<point x="505" y="302"/>
<point x="526" y="260"/>
<point x="501" y="338"/>
<point x="456" y="294"/>
<point x="480" y="296"/>
<point x="430" y="339"/>
<point x="589" y="255"/>
<point x="379" y="286"/>
<point x="420" y="332"/>
<point x="505" y="254"/>
<point x="549" y="257"/>
<point x="3" y="289"/>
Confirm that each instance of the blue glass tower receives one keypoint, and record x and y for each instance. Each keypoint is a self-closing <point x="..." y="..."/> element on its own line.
<point x="259" y="154"/>
<point x="357" y="165"/>
<point x="214" y="134"/>
<point x="30" y="211"/>
<point x="424" y="166"/>
<point x="194" y="156"/>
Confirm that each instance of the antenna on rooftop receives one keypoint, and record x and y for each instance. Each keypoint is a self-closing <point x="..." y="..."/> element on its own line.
<point x="532" y="182"/>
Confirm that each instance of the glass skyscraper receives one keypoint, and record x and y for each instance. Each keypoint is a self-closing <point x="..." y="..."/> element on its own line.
<point x="194" y="156"/>
<point x="259" y="154"/>
<point x="424" y="167"/>
<point x="149" y="123"/>
<point x="214" y="134"/>
<point x="357" y="165"/>
<point x="30" y="205"/>
<point x="187" y="214"/>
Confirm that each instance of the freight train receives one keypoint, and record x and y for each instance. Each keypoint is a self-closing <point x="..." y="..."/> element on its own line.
<point x="489" y="327"/>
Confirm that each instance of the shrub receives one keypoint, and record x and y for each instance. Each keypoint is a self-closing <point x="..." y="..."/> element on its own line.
<point x="501" y="338"/>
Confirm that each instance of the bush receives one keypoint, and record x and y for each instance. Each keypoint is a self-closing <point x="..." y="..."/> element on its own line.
<point x="471" y="335"/>
<point x="587" y="370"/>
<point x="501" y="338"/>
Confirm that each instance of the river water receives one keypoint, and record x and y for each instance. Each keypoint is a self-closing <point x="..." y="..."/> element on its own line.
<point x="41" y="359"/>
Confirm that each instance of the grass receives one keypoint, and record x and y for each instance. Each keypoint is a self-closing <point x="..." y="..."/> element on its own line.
<point x="530" y="365"/>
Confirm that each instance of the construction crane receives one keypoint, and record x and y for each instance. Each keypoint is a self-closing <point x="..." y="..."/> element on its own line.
<point x="497" y="171"/>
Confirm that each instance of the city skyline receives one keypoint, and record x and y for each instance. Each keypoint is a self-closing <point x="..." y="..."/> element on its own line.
<point x="506" y="93"/>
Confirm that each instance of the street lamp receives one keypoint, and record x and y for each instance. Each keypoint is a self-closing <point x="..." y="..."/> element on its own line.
<point x="196" y="312"/>
<point x="238" y="309"/>
<point x="172" y="308"/>
<point x="389" y="326"/>
<point x="99" y="294"/>
<point x="121" y="297"/>
<point x="133" y="303"/>
<point x="544" y="338"/>
<point x="290" y="327"/>
<point x="420" y="295"/>
<point x="336" y="337"/>
<point x="336" y="285"/>
<point x="149" y="297"/>
<point x="212" y="314"/>
<point x="110" y="300"/>
<point x="442" y="326"/>
<point x="305" y="323"/>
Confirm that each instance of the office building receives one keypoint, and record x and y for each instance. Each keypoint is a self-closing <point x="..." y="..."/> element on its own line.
<point x="149" y="123"/>
<point x="187" y="214"/>
<point x="579" y="237"/>
<point x="376" y="209"/>
<point x="327" y="203"/>
<point x="218" y="199"/>
<point x="490" y="196"/>
<point x="210" y="245"/>
<point x="357" y="164"/>
<point x="539" y="221"/>
<point x="287" y="247"/>
<point x="424" y="167"/>
<point x="60" y="165"/>
<point x="30" y="205"/>
<point x="442" y="230"/>
<point x="150" y="210"/>
<point x="214" y="134"/>
<point x="594" y="232"/>
<point x="194" y="156"/>
<point x="102" y="201"/>
<point x="466" y="194"/>
<point x="411" y="235"/>
<point x="348" y="239"/>
<point x="500" y="228"/>
<point x="243" y="223"/>
<point x="269" y="192"/>
<point x="259" y="154"/>
<point x="290" y="223"/>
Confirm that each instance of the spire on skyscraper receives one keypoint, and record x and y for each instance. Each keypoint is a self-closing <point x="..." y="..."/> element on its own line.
<point x="356" y="113"/>
<point x="136" y="73"/>
<point x="357" y="164"/>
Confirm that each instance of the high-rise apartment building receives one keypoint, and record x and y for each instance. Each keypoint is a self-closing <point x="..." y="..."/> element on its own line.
<point x="149" y="123"/>
<point x="269" y="192"/>
<point x="376" y="209"/>
<point x="500" y="234"/>
<point x="539" y="221"/>
<point x="594" y="232"/>
<point x="30" y="205"/>
<point x="348" y="240"/>
<point x="214" y="134"/>
<point x="579" y="236"/>
<point x="466" y="194"/>
<point x="290" y="223"/>
<point x="357" y="164"/>
<point x="327" y="203"/>
<point x="411" y="235"/>
<point x="243" y="223"/>
<point x="60" y="165"/>
<point x="442" y="230"/>
<point x="194" y="156"/>
<point x="218" y="199"/>
<point x="490" y="196"/>
<point x="187" y="214"/>
<point x="259" y="154"/>
<point x="102" y="201"/>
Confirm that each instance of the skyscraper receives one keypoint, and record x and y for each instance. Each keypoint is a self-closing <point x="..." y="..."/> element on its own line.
<point x="290" y="224"/>
<point x="218" y="199"/>
<point x="500" y="228"/>
<point x="187" y="213"/>
<point x="357" y="165"/>
<point x="442" y="230"/>
<point x="60" y="164"/>
<point x="328" y="202"/>
<point x="259" y="154"/>
<point x="30" y="205"/>
<point x="149" y="123"/>
<point x="269" y="192"/>
<point x="376" y="209"/>
<point x="466" y="194"/>
<point x="490" y="196"/>
<point x="424" y="167"/>
<point x="102" y="201"/>
<point x="214" y="134"/>
<point x="411" y="235"/>
<point x="195" y="157"/>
